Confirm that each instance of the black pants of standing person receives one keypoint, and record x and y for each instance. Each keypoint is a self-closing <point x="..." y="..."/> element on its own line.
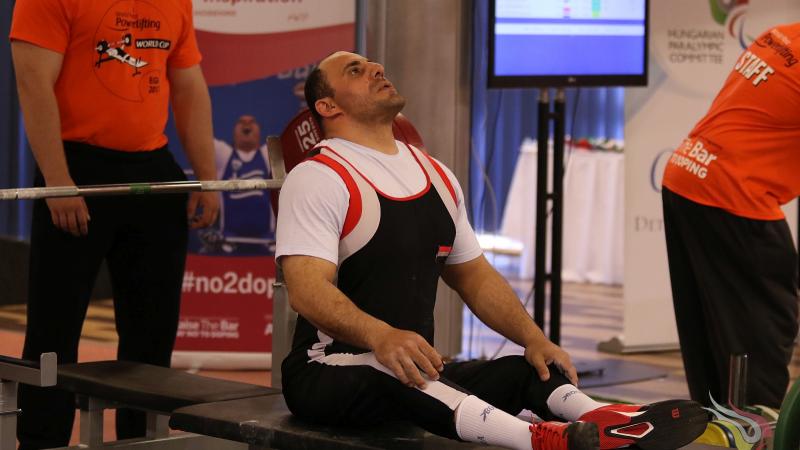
<point x="143" y="240"/>
<point x="734" y="288"/>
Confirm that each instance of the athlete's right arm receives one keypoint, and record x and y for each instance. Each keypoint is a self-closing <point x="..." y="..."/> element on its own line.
<point x="37" y="70"/>
<point x="309" y="281"/>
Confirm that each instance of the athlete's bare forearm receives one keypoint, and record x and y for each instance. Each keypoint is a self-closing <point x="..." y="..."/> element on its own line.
<point x="491" y="298"/>
<point x="313" y="295"/>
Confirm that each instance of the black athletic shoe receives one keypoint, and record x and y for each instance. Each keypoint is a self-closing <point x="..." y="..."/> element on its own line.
<point x="664" y="425"/>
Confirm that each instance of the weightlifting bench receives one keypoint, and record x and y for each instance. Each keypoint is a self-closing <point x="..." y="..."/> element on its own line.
<point x="265" y="422"/>
<point x="220" y="414"/>
<point x="157" y="391"/>
<point x="111" y="384"/>
<point x="217" y="414"/>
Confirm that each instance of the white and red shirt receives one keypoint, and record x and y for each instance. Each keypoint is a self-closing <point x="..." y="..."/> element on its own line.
<point x="314" y="201"/>
<point x="389" y="222"/>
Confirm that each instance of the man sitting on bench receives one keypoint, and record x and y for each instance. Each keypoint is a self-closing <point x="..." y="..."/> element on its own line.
<point x="365" y="229"/>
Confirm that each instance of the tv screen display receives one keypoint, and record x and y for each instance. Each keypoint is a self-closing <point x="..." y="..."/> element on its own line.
<point x="556" y="43"/>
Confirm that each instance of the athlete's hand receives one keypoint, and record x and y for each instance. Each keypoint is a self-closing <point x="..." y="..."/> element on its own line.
<point x="209" y="203"/>
<point x="543" y="353"/>
<point x="70" y="214"/>
<point x="406" y="354"/>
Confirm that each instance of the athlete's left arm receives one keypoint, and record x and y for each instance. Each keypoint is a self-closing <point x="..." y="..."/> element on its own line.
<point x="491" y="298"/>
<point x="191" y="105"/>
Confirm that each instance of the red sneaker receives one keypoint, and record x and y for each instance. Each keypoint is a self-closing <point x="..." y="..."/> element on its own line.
<point x="564" y="436"/>
<point x="664" y="425"/>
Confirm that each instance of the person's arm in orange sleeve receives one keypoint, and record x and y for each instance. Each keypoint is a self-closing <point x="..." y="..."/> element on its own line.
<point x="191" y="105"/>
<point x="37" y="70"/>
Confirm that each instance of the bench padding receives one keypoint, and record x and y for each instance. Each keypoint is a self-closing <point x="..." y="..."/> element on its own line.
<point x="266" y="422"/>
<point x="240" y="412"/>
<point x="150" y="387"/>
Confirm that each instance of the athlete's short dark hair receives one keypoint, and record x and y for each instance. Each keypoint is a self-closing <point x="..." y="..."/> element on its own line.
<point x="317" y="87"/>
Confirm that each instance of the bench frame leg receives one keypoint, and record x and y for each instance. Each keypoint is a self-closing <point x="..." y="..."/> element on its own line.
<point x="92" y="423"/>
<point x="156" y="437"/>
<point x="8" y="414"/>
<point x="178" y="442"/>
<point x="91" y="429"/>
<point x="157" y="426"/>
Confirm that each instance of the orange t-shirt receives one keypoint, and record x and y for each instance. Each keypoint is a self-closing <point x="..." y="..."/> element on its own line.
<point x="113" y="89"/>
<point x="744" y="155"/>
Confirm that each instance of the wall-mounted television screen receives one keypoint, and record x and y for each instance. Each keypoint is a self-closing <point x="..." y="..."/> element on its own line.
<point x="557" y="43"/>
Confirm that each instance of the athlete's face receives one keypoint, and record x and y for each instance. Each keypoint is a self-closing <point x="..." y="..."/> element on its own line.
<point x="360" y="88"/>
<point x="246" y="133"/>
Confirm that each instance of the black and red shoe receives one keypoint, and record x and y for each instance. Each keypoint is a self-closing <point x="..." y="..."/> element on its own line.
<point x="664" y="425"/>
<point x="564" y="436"/>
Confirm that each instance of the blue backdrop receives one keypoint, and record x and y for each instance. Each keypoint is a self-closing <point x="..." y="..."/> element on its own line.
<point x="273" y="101"/>
<point x="16" y="162"/>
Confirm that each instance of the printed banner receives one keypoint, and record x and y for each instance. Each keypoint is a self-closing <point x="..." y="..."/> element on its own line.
<point x="693" y="47"/>
<point x="256" y="57"/>
<point x="224" y="304"/>
<point x="252" y="40"/>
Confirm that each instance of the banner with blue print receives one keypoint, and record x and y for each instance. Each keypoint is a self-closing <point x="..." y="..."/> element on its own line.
<point x="244" y="115"/>
<point x="256" y="57"/>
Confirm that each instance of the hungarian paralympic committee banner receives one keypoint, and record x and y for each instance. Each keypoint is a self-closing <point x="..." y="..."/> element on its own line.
<point x="256" y="57"/>
<point x="694" y="44"/>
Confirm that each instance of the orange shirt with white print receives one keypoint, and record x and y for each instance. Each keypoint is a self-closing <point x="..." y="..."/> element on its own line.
<point x="744" y="155"/>
<point x="113" y="89"/>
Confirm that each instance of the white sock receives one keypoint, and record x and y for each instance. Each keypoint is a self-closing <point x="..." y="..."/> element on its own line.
<point x="478" y="421"/>
<point x="567" y="402"/>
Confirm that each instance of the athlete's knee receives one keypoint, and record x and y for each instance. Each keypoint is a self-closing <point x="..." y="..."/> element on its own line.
<point x="515" y="364"/>
<point x="517" y="367"/>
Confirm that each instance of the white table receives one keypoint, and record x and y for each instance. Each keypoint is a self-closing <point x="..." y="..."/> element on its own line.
<point x="593" y="214"/>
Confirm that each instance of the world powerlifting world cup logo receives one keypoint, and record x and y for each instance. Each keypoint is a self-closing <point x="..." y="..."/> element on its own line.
<point x="132" y="44"/>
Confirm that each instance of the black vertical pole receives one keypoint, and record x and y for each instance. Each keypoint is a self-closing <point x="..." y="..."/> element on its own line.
<point x="737" y="381"/>
<point x="9" y="128"/>
<point x="361" y="26"/>
<point x="558" y="216"/>
<point x="540" y="276"/>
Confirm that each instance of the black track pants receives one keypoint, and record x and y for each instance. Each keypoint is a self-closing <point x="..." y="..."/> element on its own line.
<point x="734" y="288"/>
<point x="143" y="240"/>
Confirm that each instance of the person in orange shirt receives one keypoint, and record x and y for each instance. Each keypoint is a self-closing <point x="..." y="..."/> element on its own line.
<point x="95" y="79"/>
<point x="733" y="265"/>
